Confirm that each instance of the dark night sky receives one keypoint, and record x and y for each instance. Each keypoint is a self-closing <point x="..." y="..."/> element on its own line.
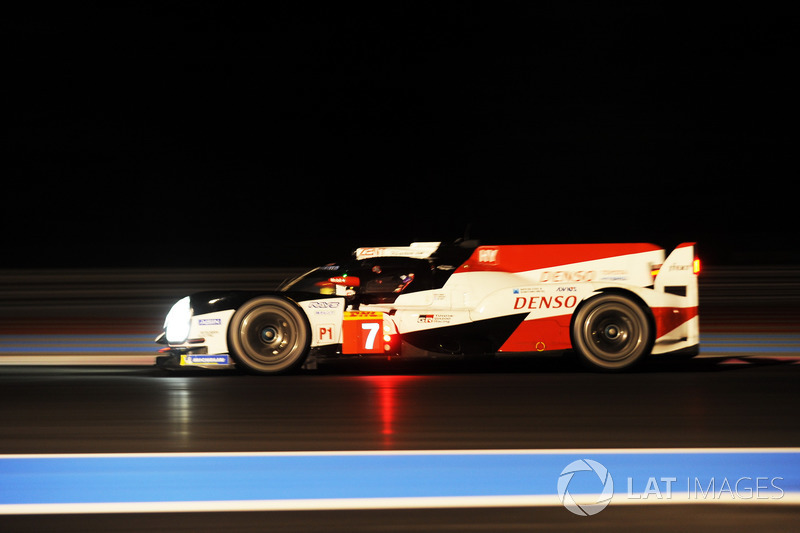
<point x="187" y="133"/>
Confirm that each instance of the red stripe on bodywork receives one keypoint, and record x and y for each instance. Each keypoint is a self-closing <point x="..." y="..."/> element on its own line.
<point x="669" y="318"/>
<point x="520" y="258"/>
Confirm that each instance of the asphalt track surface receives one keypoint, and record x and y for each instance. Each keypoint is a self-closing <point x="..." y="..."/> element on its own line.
<point x="742" y="393"/>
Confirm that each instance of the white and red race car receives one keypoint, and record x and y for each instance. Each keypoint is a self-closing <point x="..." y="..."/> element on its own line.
<point x="612" y="304"/>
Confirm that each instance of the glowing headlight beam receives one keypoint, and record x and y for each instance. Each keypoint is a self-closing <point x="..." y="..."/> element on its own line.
<point x="178" y="321"/>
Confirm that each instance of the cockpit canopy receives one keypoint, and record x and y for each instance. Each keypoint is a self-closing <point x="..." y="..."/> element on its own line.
<point x="377" y="278"/>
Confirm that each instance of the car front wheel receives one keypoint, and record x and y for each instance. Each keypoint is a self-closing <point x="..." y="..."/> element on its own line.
<point x="269" y="335"/>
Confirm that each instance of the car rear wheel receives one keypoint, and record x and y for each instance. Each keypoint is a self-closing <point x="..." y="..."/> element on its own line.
<point x="269" y="335"/>
<point x="611" y="332"/>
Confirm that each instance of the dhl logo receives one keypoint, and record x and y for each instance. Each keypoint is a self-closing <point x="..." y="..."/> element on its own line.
<point x="363" y="315"/>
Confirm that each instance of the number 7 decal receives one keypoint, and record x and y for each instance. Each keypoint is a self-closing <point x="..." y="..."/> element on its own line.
<point x="372" y="328"/>
<point x="360" y="331"/>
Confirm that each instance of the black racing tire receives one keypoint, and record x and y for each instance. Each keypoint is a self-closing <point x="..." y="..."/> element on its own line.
<point x="612" y="332"/>
<point x="269" y="335"/>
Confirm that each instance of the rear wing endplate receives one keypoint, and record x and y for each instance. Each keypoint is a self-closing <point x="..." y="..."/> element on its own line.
<point x="678" y="274"/>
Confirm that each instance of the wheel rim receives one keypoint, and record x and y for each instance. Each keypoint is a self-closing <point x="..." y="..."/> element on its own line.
<point x="269" y="335"/>
<point x="613" y="333"/>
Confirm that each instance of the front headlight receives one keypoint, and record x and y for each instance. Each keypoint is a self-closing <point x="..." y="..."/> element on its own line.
<point x="178" y="322"/>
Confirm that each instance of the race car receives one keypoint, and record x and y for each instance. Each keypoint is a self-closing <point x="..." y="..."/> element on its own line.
<point x="612" y="304"/>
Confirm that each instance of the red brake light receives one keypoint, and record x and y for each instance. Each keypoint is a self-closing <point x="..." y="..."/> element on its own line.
<point x="696" y="266"/>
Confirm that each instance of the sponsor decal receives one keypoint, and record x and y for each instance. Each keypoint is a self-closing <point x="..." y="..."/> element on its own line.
<point x="614" y="275"/>
<point x="363" y="315"/>
<point x="333" y="304"/>
<point x="205" y="360"/>
<point x="545" y="302"/>
<point x="417" y="249"/>
<point x="324" y="307"/>
<point x="529" y="290"/>
<point x="560" y="276"/>
<point x="487" y="255"/>
<point x="434" y="319"/>
<point x="209" y="321"/>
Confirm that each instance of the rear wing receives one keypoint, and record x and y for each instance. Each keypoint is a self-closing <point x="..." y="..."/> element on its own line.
<point x="418" y="250"/>
<point x="678" y="274"/>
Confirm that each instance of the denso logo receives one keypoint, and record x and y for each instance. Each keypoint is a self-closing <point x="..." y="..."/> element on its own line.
<point x="545" y="302"/>
<point x="559" y="276"/>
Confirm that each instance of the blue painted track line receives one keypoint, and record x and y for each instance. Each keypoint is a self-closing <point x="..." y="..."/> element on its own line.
<point x="330" y="480"/>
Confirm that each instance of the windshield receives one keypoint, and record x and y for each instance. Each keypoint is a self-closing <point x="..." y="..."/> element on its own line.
<point x="316" y="281"/>
<point x="379" y="280"/>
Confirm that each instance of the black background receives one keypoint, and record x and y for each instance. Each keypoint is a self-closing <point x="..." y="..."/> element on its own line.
<point x="209" y="134"/>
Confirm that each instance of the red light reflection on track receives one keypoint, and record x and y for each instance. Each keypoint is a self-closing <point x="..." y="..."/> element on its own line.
<point x="388" y="403"/>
